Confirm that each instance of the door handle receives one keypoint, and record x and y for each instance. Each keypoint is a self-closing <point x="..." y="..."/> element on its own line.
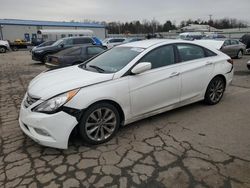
<point x="173" y="74"/>
<point x="209" y="63"/>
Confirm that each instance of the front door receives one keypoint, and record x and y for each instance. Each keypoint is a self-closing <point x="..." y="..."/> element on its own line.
<point x="158" y="87"/>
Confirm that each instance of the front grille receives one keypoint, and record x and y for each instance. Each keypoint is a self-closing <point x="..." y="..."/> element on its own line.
<point x="29" y="101"/>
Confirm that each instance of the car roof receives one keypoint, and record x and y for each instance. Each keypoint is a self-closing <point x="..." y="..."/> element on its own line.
<point x="148" y="43"/>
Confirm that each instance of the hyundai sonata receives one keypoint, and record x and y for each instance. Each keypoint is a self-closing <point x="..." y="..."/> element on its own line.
<point x="122" y="85"/>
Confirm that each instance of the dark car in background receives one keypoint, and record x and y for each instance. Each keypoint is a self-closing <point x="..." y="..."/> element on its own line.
<point x="73" y="56"/>
<point x="42" y="53"/>
<point x="245" y="39"/>
<point x="48" y="43"/>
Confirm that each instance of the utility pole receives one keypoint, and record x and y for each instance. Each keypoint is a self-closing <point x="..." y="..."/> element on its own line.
<point x="210" y="19"/>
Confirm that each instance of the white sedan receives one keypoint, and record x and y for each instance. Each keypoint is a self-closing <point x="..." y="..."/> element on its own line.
<point x="122" y="85"/>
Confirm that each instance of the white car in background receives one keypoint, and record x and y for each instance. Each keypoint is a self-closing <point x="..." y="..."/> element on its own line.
<point x="248" y="65"/>
<point x="4" y="46"/>
<point x="124" y="84"/>
<point x="111" y="42"/>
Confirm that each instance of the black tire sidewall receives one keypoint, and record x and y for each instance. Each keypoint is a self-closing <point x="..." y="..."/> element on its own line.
<point x="4" y="50"/>
<point x="207" y="98"/>
<point x="86" y="114"/>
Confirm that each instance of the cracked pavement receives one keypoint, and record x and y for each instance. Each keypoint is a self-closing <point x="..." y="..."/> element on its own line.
<point x="193" y="146"/>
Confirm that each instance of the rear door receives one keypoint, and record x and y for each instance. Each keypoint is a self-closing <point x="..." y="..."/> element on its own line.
<point x="197" y="64"/>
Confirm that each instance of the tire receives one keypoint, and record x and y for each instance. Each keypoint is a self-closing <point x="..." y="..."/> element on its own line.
<point x="2" y="49"/>
<point x="92" y="128"/>
<point x="14" y="48"/>
<point x="215" y="91"/>
<point x="248" y="66"/>
<point x="239" y="54"/>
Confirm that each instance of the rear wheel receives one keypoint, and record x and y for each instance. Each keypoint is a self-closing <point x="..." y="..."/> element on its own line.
<point x="99" y="123"/>
<point x="215" y="90"/>
<point x="2" y="49"/>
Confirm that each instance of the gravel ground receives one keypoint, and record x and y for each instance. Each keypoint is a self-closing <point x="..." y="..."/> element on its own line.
<point x="194" y="146"/>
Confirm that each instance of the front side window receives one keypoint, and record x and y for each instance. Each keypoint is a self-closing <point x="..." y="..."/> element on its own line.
<point x="112" y="60"/>
<point x="160" y="57"/>
<point x="68" y="42"/>
<point x="226" y="43"/>
<point x="190" y="52"/>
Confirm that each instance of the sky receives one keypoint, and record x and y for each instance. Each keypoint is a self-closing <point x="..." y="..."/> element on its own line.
<point x="124" y="10"/>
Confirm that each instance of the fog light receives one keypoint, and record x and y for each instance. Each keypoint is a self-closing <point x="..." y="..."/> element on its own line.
<point x="42" y="132"/>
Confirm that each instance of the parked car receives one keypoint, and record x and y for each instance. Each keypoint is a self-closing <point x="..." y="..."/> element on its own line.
<point x="127" y="40"/>
<point x="124" y="84"/>
<point x="214" y="36"/>
<point x="4" y="46"/>
<point x="42" y="53"/>
<point x="73" y="56"/>
<point x="111" y="42"/>
<point x="191" y="36"/>
<point x="231" y="47"/>
<point x="19" y="44"/>
<point x="245" y="39"/>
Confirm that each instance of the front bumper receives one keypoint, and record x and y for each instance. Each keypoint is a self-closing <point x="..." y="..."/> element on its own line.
<point x="58" y="127"/>
<point x="37" y="56"/>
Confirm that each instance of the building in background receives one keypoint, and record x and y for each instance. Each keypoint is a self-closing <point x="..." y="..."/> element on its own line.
<point x="12" y="29"/>
<point x="198" y="28"/>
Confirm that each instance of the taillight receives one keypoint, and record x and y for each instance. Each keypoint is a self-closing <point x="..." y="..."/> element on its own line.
<point x="230" y="61"/>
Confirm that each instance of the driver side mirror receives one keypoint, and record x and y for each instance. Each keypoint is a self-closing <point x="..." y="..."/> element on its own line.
<point x="61" y="45"/>
<point x="141" y="67"/>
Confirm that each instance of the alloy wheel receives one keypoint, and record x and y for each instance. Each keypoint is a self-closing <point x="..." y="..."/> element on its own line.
<point x="100" y="124"/>
<point x="216" y="90"/>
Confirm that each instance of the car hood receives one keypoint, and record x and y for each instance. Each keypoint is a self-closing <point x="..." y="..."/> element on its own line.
<point x="52" y="83"/>
<point x="44" y="48"/>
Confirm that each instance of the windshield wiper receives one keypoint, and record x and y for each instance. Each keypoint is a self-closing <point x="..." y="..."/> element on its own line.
<point x="97" y="68"/>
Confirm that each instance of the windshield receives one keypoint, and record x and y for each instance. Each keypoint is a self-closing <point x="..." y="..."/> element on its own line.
<point x="112" y="60"/>
<point x="57" y="42"/>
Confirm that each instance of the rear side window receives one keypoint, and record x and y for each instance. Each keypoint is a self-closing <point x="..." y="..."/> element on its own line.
<point x="94" y="50"/>
<point x="83" y="41"/>
<point x="160" y="57"/>
<point x="209" y="53"/>
<point x="234" y="42"/>
<point x="190" y="52"/>
<point x="117" y="40"/>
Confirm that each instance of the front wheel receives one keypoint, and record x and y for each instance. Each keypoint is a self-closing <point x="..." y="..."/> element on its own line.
<point x="239" y="54"/>
<point x="215" y="91"/>
<point x="2" y="49"/>
<point x="99" y="123"/>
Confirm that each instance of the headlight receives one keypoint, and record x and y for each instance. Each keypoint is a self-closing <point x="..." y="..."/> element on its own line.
<point x="56" y="102"/>
<point x="39" y="51"/>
